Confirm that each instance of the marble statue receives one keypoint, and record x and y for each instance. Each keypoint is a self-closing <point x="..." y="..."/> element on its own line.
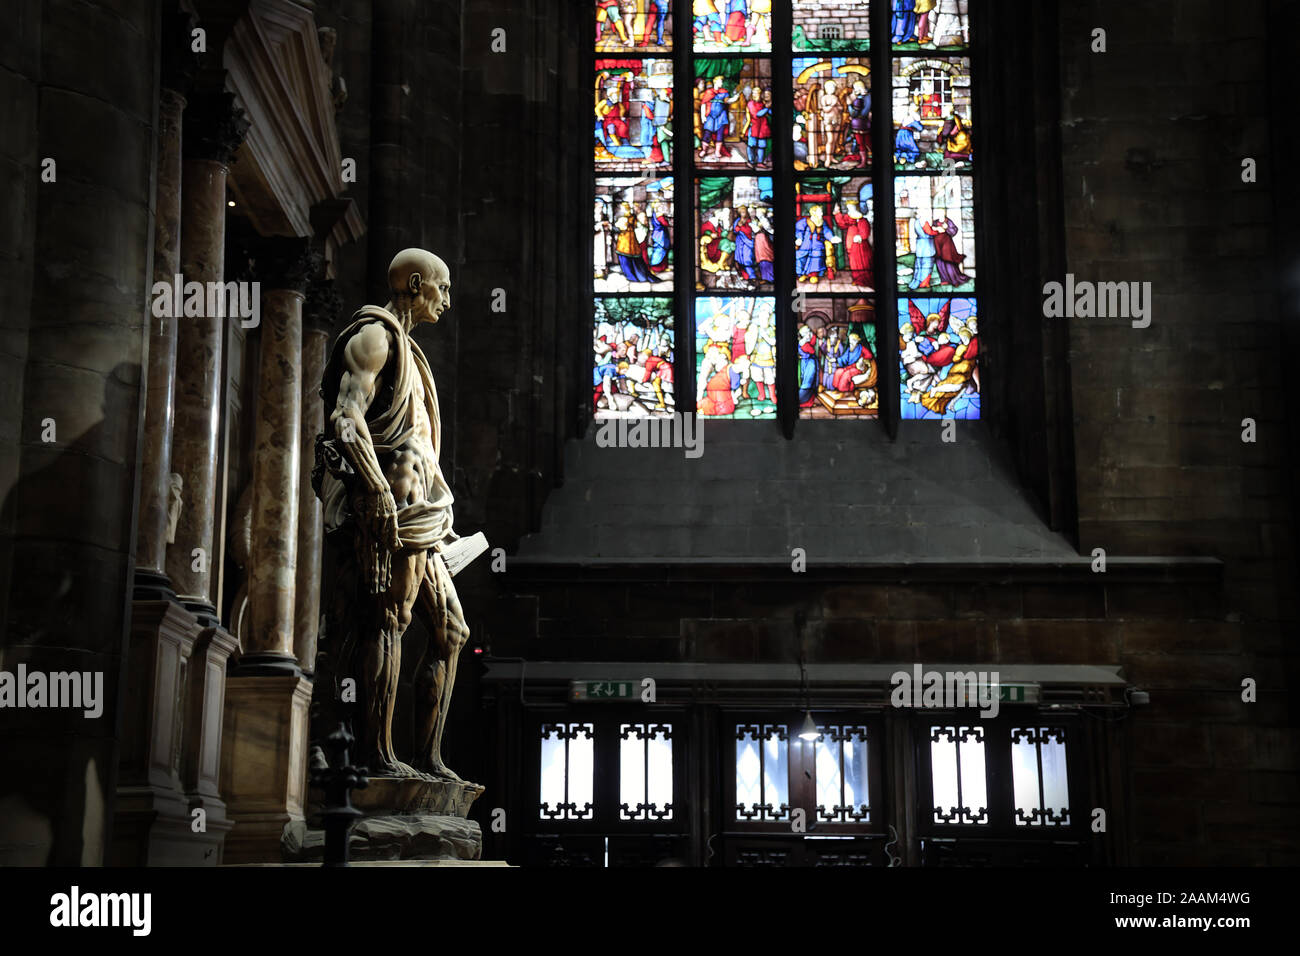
<point x="175" y="486"/>
<point x="379" y="479"/>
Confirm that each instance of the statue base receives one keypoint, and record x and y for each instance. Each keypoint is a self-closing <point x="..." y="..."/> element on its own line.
<point x="410" y="836"/>
<point x="415" y="795"/>
<point x="405" y="819"/>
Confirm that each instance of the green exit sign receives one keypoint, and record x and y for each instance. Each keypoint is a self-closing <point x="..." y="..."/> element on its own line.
<point x="1007" y="694"/>
<point x="603" y="690"/>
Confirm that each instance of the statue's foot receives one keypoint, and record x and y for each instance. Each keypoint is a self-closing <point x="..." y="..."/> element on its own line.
<point x="391" y="768"/>
<point x="439" y="771"/>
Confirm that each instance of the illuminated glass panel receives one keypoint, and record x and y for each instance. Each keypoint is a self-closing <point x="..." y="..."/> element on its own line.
<point x="838" y="370"/>
<point x="762" y="772"/>
<point x="934" y="231"/>
<point x="733" y="119"/>
<point x="832" y="25"/>
<point x="735" y="340"/>
<point x="832" y="234"/>
<point x="939" y="374"/>
<point x="958" y="784"/>
<point x="1039" y="776"/>
<point x="634" y="26"/>
<point x="734" y="26"/>
<point x="633" y="99"/>
<point x="633" y="344"/>
<point x="932" y="113"/>
<point x="840" y="763"/>
<point x="645" y="772"/>
<point x="832" y="112"/>
<point x="735" y="249"/>
<point x="941" y="25"/>
<point x="633" y="250"/>
<point x="567" y="772"/>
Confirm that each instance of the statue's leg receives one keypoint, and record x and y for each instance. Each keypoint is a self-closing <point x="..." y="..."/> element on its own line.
<point x="435" y="677"/>
<point x="381" y="665"/>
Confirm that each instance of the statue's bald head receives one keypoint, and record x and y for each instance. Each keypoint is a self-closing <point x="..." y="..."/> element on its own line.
<point x="420" y="285"/>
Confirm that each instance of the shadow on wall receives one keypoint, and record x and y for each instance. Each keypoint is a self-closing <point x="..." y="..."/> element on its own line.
<point x="71" y="512"/>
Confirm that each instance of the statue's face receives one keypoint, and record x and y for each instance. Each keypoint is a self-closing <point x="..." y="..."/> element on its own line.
<point x="435" y="291"/>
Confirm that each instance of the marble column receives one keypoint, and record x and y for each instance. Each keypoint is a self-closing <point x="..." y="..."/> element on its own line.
<point x="320" y="311"/>
<point x="156" y="451"/>
<point x="284" y="267"/>
<point x="213" y="130"/>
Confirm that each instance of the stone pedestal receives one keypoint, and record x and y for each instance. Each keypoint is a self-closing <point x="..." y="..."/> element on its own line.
<point x="405" y="819"/>
<point x="151" y="820"/>
<point x="263" y="763"/>
<point x="201" y="756"/>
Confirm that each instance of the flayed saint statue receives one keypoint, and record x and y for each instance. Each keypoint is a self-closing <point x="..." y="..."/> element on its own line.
<point x="385" y="498"/>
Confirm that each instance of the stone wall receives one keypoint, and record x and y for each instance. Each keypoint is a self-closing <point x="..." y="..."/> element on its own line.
<point x="83" y="247"/>
<point x="1153" y="136"/>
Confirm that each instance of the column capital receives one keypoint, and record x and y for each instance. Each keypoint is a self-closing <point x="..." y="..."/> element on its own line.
<point x="320" y="311"/>
<point x="214" y="127"/>
<point x="285" y="262"/>
<point x="180" y="64"/>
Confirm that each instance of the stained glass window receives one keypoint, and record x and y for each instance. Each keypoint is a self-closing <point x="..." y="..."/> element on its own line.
<point x="693" y="217"/>
<point x="832" y="24"/>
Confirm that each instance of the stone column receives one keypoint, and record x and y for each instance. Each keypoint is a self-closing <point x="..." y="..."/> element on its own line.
<point x="213" y="130"/>
<point x="321" y="309"/>
<point x="156" y="452"/>
<point x="284" y="267"/>
<point x="264" y="743"/>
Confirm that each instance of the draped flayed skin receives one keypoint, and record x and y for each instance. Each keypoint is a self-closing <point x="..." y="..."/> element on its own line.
<point x="421" y="525"/>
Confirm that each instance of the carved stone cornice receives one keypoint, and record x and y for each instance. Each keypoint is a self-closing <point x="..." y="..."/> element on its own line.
<point x="291" y="161"/>
<point x="214" y="127"/>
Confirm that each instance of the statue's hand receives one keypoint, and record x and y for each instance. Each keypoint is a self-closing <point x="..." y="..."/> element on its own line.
<point x="381" y="537"/>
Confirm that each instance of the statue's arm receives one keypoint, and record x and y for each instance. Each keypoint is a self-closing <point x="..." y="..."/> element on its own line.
<point x="364" y="358"/>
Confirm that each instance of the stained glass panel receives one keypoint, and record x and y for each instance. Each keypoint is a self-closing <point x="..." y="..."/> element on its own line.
<point x="832" y="234"/>
<point x="732" y="25"/>
<point x="634" y="235"/>
<point x="838" y="369"/>
<point x="832" y="112"/>
<point x="634" y="26"/>
<point x="633" y="100"/>
<point x="633" y="342"/>
<point x="934" y="225"/>
<point x="736" y="248"/>
<point x="733" y="113"/>
<point x="929" y="24"/>
<point x="939" y="374"/>
<point x="832" y="25"/>
<point x="735" y="339"/>
<point x="932" y="113"/>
